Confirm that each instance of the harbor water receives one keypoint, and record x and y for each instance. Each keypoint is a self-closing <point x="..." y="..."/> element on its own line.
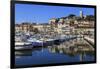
<point x="75" y="50"/>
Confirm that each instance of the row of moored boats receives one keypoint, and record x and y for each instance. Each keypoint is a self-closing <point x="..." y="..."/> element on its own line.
<point x="25" y="42"/>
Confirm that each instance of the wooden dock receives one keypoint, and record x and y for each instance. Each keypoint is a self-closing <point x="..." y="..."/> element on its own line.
<point x="90" y="40"/>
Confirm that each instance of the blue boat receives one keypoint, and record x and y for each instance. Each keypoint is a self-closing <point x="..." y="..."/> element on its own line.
<point x="41" y="42"/>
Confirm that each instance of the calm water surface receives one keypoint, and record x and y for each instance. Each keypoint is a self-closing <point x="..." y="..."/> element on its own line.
<point x="77" y="50"/>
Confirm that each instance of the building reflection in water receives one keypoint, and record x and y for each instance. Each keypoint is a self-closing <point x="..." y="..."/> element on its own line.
<point x="73" y="47"/>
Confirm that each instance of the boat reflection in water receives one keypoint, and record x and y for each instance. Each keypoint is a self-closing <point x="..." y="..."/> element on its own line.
<point x="23" y="53"/>
<point x="76" y="50"/>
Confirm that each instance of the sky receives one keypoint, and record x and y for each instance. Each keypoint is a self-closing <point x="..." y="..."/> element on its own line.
<point x="42" y="13"/>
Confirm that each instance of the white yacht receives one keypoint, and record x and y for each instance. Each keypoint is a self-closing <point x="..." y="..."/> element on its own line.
<point x="21" y="44"/>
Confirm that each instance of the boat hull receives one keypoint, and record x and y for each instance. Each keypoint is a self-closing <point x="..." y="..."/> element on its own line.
<point x="46" y="43"/>
<point x="23" y="47"/>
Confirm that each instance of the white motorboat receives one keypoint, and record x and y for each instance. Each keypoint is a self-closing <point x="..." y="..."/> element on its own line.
<point x="41" y="41"/>
<point x="23" y="45"/>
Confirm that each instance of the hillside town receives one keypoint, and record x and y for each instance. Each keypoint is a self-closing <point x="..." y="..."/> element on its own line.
<point x="69" y="25"/>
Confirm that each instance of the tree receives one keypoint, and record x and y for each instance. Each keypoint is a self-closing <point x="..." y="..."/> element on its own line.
<point x="36" y="30"/>
<point x="71" y="16"/>
<point x="90" y="17"/>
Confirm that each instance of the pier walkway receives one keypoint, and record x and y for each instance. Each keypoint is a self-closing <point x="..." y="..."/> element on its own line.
<point x="90" y="40"/>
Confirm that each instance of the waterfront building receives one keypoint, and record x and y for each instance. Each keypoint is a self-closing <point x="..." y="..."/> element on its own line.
<point x="30" y="28"/>
<point x="26" y="27"/>
<point x="18" y="28"/>
<point x="60" y="25"/>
